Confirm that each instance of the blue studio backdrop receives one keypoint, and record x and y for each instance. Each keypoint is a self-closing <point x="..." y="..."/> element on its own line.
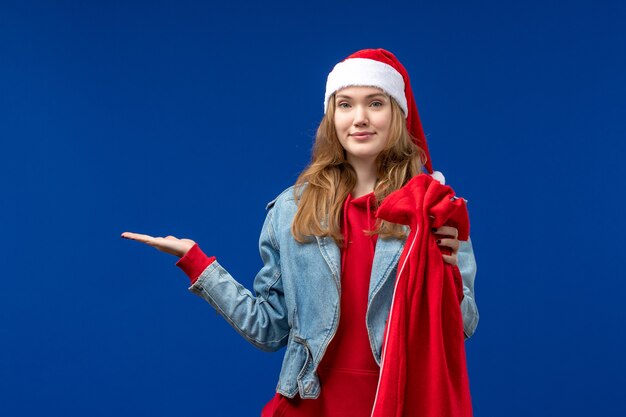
<point x="187" y="117"/>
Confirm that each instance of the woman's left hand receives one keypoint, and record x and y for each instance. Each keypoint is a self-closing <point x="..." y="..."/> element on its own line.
<point x="448" y="238"/>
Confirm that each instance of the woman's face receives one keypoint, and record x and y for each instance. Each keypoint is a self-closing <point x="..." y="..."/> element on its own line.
<point x="362" y="122"/>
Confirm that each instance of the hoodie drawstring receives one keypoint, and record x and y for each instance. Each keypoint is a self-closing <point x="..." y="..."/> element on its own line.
<point x="346" y="232"/>
<point x="369" y="222"/>
<point x="369" y="202"/>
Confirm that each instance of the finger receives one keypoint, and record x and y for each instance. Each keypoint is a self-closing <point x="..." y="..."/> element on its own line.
<point x="447" y="231"/>
<point x="138" y="237"/>
<point x="449" y="243"/>
<point x="450" y="259"/>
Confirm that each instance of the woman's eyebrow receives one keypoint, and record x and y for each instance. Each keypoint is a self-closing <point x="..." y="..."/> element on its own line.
<point x="383" y="95"/>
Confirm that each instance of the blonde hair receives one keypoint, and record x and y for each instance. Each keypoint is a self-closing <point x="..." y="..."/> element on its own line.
<point x="324" y="185"/>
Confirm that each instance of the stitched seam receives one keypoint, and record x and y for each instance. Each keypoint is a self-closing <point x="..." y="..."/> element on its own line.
<point x="335" y="314"/>
<point x="270" y="231"/>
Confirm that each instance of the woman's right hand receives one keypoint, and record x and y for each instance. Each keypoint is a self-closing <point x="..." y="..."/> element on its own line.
<point x="169" y="244"/>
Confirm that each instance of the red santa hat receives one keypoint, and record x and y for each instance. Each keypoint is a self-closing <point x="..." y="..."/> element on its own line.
<point x="380" y="68"/>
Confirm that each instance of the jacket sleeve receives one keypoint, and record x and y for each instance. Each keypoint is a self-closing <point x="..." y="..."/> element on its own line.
<point x="261" y="317"/>
<point x="467" y="267"/>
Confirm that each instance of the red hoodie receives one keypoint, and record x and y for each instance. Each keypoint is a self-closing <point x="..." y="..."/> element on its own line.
<point x="423" y="368"/>
<point x="348" y="372"/>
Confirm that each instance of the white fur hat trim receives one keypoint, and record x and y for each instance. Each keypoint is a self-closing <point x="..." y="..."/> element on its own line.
<point x="366" y="73"/>
<point x="437" y="175"/>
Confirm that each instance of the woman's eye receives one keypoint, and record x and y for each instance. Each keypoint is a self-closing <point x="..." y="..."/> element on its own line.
<point x="376" y="104"/>
<point x="343" y="105"/>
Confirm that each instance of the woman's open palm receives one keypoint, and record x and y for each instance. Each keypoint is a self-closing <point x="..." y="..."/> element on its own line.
<point x="168" y="244"/>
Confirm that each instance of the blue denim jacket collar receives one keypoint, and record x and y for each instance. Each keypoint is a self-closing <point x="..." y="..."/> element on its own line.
<point x="385" y="257"/>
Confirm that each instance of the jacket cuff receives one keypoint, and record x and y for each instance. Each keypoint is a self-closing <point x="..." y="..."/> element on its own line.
<point x="194" y="262"/>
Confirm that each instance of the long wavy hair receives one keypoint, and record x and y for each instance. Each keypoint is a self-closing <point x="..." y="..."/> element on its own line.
<point x="325" y="183"/>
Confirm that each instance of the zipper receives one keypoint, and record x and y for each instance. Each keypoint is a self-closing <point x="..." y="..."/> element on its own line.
<point x="383" y="353"/>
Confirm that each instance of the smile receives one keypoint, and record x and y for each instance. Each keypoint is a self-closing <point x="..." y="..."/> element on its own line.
<point x="362" y="135"/>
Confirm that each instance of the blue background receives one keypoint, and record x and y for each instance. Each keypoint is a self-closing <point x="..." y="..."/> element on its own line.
<point x="186" y="117"/>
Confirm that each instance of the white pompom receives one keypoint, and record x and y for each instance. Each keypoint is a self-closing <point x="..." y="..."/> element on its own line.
<point x="437" y="175"/>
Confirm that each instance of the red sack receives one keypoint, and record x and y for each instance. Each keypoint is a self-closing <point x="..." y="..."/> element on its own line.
<point x="423" y="368"/>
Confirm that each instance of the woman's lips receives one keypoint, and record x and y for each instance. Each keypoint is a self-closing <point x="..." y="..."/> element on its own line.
<point x="362" y="135"/>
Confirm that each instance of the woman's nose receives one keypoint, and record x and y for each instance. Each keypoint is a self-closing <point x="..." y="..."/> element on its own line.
<point x="360" y="116"/>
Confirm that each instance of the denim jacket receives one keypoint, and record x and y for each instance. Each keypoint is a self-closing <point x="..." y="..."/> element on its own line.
<point x="296" y="300"/>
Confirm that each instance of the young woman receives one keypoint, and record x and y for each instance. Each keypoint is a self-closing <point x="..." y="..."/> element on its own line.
<point x="327" y="284"/>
